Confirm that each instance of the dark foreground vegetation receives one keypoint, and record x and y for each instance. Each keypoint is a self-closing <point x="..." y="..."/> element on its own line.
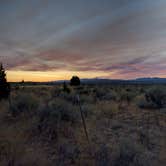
<point x="42" y="126"/>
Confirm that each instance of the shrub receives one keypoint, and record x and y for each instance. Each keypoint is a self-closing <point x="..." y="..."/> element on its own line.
<point x="56" y="92"/>
<point x="128" y="153"/>
<point x="142" y="103"/>
<point x="23" y="102"/>
<point x="102" y="156"/>
<point x="84" y="90"/>
<point x="100" y="93"/>
<point x="67" y="97"/>
<point x="59" y="109"/>
<point x="85" y="99"/>
<point x="88" y="109"/>
<point x="66" y="110"/>
<point x="110" y="96"/>
<point x="54" y="116"/>
<point x="67" y="154"/>
<point x="127" y="96"/>
<point x="156" y="96"/>
<point x="108" y="109"/>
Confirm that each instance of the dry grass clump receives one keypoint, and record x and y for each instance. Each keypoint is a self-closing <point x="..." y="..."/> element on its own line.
<point x="107" y="109"/>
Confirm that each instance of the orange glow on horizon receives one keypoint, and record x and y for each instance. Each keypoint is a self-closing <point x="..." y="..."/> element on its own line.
<point x="39" y="76"/>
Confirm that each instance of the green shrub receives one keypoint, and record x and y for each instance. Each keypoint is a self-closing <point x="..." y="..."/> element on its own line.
<point x="103" y="156"/>
<point x="110" y="96"/>
<point x="23" y="102"/>
<point x="156" y="97"/>
<point x="144" y="104"/>
<point x="68" y="153"/>
<point x="59" y="109"/>
<point x="127" y="96"/>
<point x="53" y="116"/>
<point x="129" y="153"/>
<point x="100" y="92"/>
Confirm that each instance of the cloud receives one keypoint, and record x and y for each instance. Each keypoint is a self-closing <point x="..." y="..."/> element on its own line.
<point x="126" y="37"/>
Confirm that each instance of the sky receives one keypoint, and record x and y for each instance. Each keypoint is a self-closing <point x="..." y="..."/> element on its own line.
<point x="44" y="40"/>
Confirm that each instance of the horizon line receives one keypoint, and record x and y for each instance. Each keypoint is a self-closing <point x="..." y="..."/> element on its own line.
<point x="63" y="80"/>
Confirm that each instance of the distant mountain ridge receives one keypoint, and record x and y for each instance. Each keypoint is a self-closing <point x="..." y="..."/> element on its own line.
<point x="148" y="80"/>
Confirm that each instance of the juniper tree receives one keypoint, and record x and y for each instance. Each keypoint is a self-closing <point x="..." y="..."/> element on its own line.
<point x="4" y="86"/>
<point x="75" y="81"/>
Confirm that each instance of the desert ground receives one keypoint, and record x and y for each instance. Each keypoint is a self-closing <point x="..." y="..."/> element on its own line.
<point x="125" y="125"/>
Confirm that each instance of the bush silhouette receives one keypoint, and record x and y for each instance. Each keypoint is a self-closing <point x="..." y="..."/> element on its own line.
<point x="75" y="81"/>
<point x="156" y="96"/>
<point x="4" y="86"/>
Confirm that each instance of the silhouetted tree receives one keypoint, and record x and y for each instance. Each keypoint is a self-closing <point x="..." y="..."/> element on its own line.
<point x="75" y="81"/>
<point x="4" y="86"/>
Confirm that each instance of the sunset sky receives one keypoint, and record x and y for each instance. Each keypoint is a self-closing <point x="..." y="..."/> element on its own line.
<point x="44" y="40"/>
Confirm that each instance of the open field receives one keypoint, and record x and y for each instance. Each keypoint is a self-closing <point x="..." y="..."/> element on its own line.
<point x="42" y="126"/>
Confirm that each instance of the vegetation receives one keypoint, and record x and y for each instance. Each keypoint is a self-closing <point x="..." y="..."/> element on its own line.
<point x="75" y="81"/>
<point x="4" y="86"/>
<point x="47" y="129"/>
<point x="156" y="96"/>
<point x="66" y="88"/>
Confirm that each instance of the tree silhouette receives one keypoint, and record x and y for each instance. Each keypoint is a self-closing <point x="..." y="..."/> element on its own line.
<point x="4" y="86"/>
<point x="75" y="81"/>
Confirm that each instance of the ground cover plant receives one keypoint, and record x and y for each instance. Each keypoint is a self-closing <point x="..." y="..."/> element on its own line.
<point x="42" y="125"/>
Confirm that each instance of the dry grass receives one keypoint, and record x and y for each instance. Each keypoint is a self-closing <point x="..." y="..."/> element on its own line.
<point x="46" y="127"/>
